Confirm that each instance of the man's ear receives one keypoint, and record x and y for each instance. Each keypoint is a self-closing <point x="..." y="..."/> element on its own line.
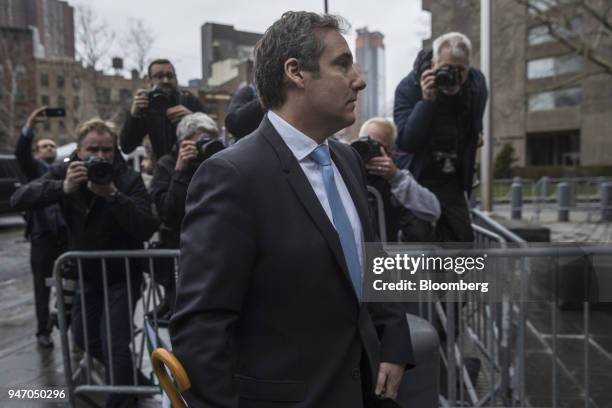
<point x="294" y="73"/>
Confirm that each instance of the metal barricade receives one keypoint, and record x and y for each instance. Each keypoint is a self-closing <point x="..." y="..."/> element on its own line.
<point x="97" y="278"/>
<point x="484" y="341"/>
<point x="380" y="213"/>
<point x="548" y="338"/>
<point x="476" y="335"/>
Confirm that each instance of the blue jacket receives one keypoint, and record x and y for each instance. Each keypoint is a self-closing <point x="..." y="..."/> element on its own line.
<point x="45" y="221"/>
<point x="413" y="117"/>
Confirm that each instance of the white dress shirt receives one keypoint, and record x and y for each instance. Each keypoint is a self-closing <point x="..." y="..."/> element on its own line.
<point x="302" y="146"/>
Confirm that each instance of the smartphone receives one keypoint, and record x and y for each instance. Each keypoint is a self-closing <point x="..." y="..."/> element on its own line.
<point x="55" y="112"/>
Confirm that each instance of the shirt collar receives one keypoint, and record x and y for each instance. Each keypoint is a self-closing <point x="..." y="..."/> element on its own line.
<point x="300" y="145"/>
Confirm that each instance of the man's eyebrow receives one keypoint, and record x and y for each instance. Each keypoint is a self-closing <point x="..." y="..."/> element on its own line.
<point x="344" y="57"/>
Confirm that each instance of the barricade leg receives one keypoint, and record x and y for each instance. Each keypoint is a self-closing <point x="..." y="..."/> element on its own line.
<point x="119" y="370"/>
<point x="121" y="357"/>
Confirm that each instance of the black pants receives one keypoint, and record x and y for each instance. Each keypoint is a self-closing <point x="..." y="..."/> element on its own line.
<point x="455" y="221"/>
<point x="43" y="253"/>
<point x="97" y="335"/>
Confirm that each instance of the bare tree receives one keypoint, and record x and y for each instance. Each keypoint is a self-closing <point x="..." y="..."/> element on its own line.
<point x="15" y="66"/>
<point x="94" y="37"/>
<point x="138" y="42"/>
<point x="557" y="15"/>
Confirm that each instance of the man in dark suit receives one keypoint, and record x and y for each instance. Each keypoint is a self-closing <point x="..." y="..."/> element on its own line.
<point x="269" y="310"/>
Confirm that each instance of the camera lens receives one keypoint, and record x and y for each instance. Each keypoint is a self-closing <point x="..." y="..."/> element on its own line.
<point x="99" y="171"/>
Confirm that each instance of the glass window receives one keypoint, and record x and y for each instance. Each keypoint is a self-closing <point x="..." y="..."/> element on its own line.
<point x="60" y="81"/>
<point x="125" y="95"/>
<point x="44" y="79"/>
<point x="562" y="98"/>
<point x="540" y="33"/>
<point x="44" y="99"/>
<point x="76" y="82"/>
<point x="547" y="67"/>
<point x="545" y="5"/>
<point x="20" y="76"/>
<point x="103" y="95"/>
<point x="76" y="103"/>
<point x="61" y="124"/>
<point x="541" y="5"/>
<point x="61" y="101"/>
<point x="558" y="148"/>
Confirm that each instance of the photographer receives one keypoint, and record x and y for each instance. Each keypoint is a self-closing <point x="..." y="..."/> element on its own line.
<point x="45" y="227"/>
<point x="438" y="111"/>
<point x="157" y="111"/>
<point x="197" y="140"/>
<point x="399" y="190"/>
<point x="106" y="207"/>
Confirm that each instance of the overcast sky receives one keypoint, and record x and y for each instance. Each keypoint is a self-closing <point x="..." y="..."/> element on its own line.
<point x="176" y="25"/>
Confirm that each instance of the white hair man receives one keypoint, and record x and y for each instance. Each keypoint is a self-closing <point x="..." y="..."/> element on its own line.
<point x="197" y="138"/>
<point x="174" y="170"/>
<point x="399" y="189"/>
<point x="438" y="112"/>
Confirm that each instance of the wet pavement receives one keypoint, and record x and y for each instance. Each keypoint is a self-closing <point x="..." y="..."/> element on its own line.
<point x="23" y="363"/>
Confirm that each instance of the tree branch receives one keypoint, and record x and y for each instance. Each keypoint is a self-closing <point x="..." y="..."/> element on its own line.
<point x="581" y="47"/>
<point x="602" y="19"/>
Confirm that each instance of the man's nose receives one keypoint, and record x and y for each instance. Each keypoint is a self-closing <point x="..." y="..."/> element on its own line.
<point x="358" y="83"/>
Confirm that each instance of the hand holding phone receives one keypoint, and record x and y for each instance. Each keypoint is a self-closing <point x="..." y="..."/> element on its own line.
<point x="55" y="112"/>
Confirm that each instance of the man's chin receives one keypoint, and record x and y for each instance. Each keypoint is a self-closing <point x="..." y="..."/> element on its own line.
<point x="349" y="119"/>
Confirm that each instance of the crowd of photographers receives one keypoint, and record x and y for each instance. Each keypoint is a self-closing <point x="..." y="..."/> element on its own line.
<point x="421" y="164"/>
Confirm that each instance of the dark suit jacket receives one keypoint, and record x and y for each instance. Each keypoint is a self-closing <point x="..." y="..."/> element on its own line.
<point x="266" y="315"/>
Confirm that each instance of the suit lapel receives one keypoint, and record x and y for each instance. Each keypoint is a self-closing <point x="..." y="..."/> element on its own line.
<point x="354" y="188"/>
<point x="302" y="188"/>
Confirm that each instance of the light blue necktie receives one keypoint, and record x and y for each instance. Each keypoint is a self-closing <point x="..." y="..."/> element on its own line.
<point x="341" y="220"/>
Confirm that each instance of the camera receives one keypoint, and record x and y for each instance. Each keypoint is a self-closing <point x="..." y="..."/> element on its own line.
<point x="159" y="100"/>
<point x="99" y="170"/>
<point x="367" y="148"/>
<point x="447" y="76"/>
<point x="207" y="146"/>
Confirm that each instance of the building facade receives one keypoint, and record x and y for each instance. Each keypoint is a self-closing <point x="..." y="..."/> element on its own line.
<point x="551" y="103"/>
<point x="223" y="48"/>
<point x="52" y="22"/>
<point x="17" y="83"/>
<point x="83" y="93"/>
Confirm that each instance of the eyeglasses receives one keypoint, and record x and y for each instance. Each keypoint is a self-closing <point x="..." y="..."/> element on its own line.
<point x="161" y="75"/>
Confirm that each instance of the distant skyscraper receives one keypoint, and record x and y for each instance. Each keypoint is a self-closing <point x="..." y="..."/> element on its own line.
<point x="51" y="20"/>
<point x="370" y="51"/>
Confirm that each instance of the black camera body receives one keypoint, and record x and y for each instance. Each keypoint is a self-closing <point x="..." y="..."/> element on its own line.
<point x="207" y="146"/>
<point x="159" y="100"/>
<point x="447" y="76"/>
<point x="99" y="170"/>
<point x="367" y="148"/>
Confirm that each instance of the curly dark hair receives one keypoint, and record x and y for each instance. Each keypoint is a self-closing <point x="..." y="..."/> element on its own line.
<point x="297" y="34"/>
